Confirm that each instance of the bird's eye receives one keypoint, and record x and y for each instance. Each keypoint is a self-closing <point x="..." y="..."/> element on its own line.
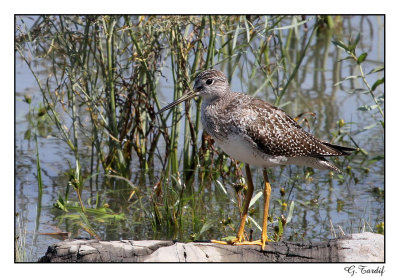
<point x="209" y="81"/>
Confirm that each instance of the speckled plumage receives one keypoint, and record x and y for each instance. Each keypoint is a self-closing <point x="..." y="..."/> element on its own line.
<point x="256" y="132"/>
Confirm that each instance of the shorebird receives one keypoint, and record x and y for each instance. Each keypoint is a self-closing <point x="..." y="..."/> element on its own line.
<point x="257" y="133"/>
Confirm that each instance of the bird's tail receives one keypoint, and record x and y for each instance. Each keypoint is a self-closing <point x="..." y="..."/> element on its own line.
<point x="340" y="149"/>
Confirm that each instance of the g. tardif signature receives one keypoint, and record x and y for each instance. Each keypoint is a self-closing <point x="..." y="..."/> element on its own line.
<point x="363" y="269"/>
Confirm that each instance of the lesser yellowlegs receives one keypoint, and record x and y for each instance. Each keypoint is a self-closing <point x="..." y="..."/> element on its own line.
<point x="257" y="133"/>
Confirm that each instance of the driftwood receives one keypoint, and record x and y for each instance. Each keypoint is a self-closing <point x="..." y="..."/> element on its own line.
<point x="365" y="247"/>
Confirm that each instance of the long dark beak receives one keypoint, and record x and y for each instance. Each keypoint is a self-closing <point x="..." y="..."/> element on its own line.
<point x="186" y="96"/>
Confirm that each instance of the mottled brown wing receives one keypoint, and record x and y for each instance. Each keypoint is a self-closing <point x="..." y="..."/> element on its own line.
<point x="275" y="133"/>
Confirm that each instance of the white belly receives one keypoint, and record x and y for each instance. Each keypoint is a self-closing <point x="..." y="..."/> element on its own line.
<point x="241" y="150"/>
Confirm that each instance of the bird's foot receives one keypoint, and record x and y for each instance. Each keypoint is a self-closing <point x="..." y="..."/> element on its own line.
<point x="236" y="241"/>
<point x="259" y="242"/>
<point x="229" y="240"/>
<point x="220" y="242"/>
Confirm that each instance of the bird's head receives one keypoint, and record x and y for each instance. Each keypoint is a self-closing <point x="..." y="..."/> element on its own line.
<point x="209" y="84"/>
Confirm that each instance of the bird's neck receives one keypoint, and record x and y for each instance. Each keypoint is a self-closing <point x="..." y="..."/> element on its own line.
<point x="218" y="100"/>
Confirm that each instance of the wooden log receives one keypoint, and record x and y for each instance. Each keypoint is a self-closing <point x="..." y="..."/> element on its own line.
<point x="364" y="247"/>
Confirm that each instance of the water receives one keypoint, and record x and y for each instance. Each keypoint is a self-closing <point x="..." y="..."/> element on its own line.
<point x="323" y="206"/>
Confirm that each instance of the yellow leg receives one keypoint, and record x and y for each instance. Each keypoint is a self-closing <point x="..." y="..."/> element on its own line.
<point x="249" y="194"/>
<point x="267" y="195"/>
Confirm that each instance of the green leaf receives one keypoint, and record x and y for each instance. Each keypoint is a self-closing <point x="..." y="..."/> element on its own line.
<point x="280" y="227"/>
<point x="369" y="126"/>
<point x="116" y="217"/>
<point x="247" y="27"/>
<point x="84" y="218"/>
<point x="367" y="107"/>
<point x="356" y="90"/>
<point x="206" y="227"/>
<point x="254" y="222"/>
<point x="363" y="151"/>
<point x="361" y="58"/>
<point x="352" y="46"/>
<point x="255" y="198"/>
<point x="375" y="159"/>
<point x="235" y="36"/>
<point x="377" y="69"/>
<point x="377" y="83"/>
<point x="27" y="135"/>
<point x="347" y="58"/>
<point x="60" y="204"/>
<point x="341" y="44"/>
<point x="357" y="40"/>
<point x="290" y="214"/>
<point x="222" y="187"/>
<point x="347" y="78"/>
<point x="380" y="99"/>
